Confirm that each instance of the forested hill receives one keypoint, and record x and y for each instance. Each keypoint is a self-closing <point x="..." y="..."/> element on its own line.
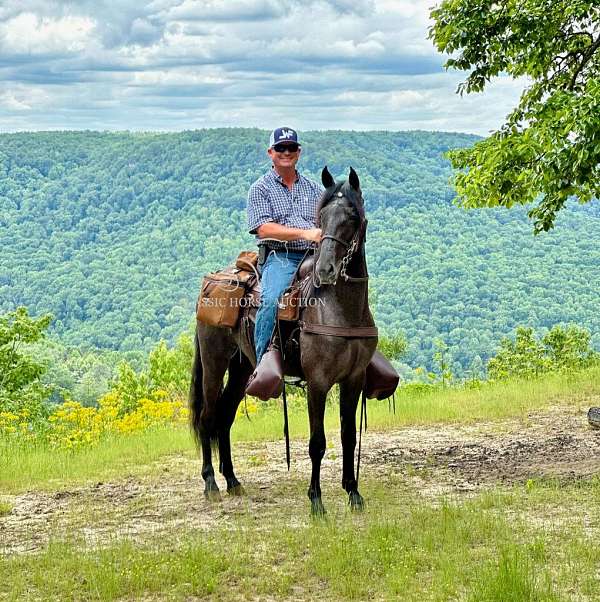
<point x="111" y="232"/>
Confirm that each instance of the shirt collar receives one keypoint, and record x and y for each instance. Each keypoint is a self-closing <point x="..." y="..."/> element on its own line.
<point x="277" y="177"/>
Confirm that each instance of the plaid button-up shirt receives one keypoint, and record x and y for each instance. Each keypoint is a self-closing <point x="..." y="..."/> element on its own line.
<point x="270" y="200"/>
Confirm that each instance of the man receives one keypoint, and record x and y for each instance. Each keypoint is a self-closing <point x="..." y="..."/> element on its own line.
<point x="281" y="212"/>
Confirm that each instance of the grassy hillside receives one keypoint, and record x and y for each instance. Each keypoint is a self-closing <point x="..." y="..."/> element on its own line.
<point x="112" y="232"/>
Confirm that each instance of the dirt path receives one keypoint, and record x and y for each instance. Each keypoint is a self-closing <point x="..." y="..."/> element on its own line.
<point x="434" y="459"/>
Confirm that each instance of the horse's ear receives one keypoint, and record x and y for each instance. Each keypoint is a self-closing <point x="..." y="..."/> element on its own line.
<point x="327" y="178"/>
<point x="353" y="179"/>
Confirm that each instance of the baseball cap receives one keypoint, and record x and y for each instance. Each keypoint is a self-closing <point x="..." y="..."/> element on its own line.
<point x="283" y="134"/>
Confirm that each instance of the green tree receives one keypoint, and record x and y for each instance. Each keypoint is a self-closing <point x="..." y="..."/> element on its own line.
<point x="125" y="273"/>
<point x="525" y="356"/>
<point x="20" y="373"/>
<point x="569" y="347"/>
<point x="562" y="348"/>
<point x="170" y="369"/>
<point x="443" y="360"/>
<point x="131" y="386"/>
<point x="548" y="150"/>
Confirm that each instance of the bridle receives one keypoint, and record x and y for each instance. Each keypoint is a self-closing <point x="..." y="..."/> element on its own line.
<point x="351" y="248"/>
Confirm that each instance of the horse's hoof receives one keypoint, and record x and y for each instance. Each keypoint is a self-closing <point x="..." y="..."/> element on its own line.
<point x="212" y="495"/>
<point x="211" y="490"/>
<point x="356" y="501"/>
<point x="236" y="490"/>
<point x="317" y="510"/>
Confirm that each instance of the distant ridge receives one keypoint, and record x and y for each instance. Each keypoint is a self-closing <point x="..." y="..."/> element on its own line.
<point x="111" y="232"/>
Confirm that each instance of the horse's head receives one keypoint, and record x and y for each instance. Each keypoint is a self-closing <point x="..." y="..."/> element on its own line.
<point x="341" y="217"/>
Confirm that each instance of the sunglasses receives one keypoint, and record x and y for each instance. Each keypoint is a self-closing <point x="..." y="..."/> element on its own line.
<point x="281" y="148"/>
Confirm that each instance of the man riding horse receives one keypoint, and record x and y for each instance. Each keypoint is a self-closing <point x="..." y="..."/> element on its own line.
<point x="282" y="213"/>
<point x="336" y="337"/>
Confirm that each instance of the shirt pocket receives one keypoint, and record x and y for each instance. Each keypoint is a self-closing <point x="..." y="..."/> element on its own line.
<point x="308" y="210"/>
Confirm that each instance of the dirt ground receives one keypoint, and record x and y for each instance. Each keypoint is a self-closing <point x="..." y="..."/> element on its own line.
<point x="434" y="460"/>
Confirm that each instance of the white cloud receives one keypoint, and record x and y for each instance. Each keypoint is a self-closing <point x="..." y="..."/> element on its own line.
<point x="175" y="64"/>
<point x="10" y="102"/>
<point x="28" y="33"/>
<point x="232" y="10"/>
<point x="21" y="98"/>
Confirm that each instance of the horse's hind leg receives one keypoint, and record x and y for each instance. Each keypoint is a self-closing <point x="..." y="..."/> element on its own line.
<point x="215" y="357"/>
<point x="350" y="390"/>
<point x="239" y="372"/>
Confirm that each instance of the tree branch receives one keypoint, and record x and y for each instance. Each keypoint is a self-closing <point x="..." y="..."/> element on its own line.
<point x="586" y="57"/>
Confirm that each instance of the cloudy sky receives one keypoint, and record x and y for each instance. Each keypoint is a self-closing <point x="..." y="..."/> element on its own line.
<point x="184" y="64"/>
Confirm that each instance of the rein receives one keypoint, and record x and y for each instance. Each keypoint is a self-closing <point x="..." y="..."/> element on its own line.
<point x="343" y="331"/>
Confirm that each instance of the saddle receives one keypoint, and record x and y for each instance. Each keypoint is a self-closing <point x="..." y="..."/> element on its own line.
<point x="293" y="298"/>
<point x="222" y="292"/>
<point x="231" y="297"/>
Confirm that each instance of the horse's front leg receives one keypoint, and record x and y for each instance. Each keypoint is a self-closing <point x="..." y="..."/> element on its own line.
<point x="350" y="390"/>
<point x="316" y="447"/>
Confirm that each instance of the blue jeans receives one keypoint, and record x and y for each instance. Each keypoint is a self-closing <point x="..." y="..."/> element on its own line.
<point x="277" y="273"/>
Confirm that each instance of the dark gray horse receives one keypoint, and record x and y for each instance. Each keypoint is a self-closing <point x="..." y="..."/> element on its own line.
<point x="340" y="282"/>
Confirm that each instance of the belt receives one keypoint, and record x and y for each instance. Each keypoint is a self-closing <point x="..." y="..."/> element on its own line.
<point x="284" y="250"/>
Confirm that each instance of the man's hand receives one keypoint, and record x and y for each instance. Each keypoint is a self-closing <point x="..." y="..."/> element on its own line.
<point x="313" y="235"/>
<point x="279" y="232"/>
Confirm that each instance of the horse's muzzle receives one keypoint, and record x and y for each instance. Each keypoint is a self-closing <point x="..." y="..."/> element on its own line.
<point x="327" y="273"/>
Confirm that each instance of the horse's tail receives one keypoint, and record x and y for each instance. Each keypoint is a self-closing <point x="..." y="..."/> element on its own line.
<point x="196" y="399"/>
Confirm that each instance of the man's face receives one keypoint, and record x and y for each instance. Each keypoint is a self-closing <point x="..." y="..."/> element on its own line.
<point x="284" y="155"/>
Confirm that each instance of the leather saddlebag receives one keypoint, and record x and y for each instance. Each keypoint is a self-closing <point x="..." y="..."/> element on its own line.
<point x="288" y="307"/>
<point x="247" y="260"/>
<point x="382" y="378"/>
<point x="220" y="297"/>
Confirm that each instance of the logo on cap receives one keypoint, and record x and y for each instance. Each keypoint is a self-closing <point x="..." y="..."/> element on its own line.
<point x="283" y="134"/>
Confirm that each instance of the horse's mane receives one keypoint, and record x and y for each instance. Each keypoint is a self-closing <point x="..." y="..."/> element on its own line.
<point x="354" y="196"/>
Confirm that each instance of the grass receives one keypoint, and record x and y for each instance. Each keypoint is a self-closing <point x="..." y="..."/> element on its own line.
<point x="452" y="549"/>
<point x="37" y="466"/>
<point x="490" y="401"/>
<point x="533" y="542"/>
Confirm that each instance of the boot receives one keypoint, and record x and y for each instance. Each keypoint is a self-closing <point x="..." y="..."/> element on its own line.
<point x="266" y="381"/>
